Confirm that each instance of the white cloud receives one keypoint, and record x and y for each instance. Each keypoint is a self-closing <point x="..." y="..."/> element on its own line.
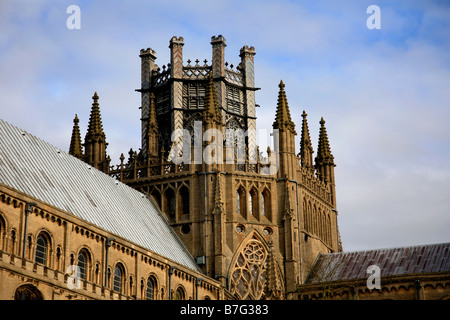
<point x="384" y="95"/>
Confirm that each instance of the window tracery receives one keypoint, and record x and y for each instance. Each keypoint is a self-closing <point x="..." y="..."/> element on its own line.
<point x="249" y="273"/>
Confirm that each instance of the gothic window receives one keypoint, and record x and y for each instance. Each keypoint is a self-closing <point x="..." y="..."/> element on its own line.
<point x="305" y="215"/>
<point x="169" y="205"/>
<point x="309" y="213"/>
<point x="253" y="202"/>
<point x="119" y="275"/>
<point x="157" y="197"/>
<point x="265" y="203"/>
<point x="248" y="274"/>
<point x="262" y="206"/>
<point x="314" y="213"/>
<point x="179" y="294"/>
<point x="240" y="202"/>
<point x="151" y="288"/>
<point x="41" y="249"/>
<point x="184" y="200"/>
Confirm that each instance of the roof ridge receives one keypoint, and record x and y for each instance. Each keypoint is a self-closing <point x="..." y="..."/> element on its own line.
<point x="386" y="248"/>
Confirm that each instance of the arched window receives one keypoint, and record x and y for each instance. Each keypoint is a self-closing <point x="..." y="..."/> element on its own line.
<point x="169" y="203"/>
<point x="253" y="202"/>
<point x="27" y="292"/>
<point x="41" y="250"/>
<point x="309" y="217"/>
<point x="265" y="203"/>
<point x="240" y="201"/>
<point x="83" y="264"/>
<point x="118" y="278"/>
<point x="2" y="232"/>
<point x="184" y="200"/>
<point x="157" y="197"/>
<point x="179" y="294"/>
<point x="151" y="288"/>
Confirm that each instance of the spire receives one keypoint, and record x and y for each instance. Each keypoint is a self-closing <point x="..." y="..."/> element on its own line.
<point x="306" y="149"/>
<point x="95" y="122"/>
<point x="272" y="288"/>
<point x="324" y="158"/>
<point x="211" y="112"/>
<point x="324" y="155"/>
<point x="75" y="142"/>
<point x="95" y="139"/>
<point x="283" y="119"/>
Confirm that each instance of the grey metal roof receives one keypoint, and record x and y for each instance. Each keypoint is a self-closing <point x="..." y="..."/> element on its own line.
<point x="36" y="168"/>
<point x="393" y="261"/>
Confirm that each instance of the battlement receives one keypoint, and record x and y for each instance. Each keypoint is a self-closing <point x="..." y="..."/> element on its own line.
<point x="218" y="40"/>
<point x="149" y="52"/>
<point x="176" y="40"/>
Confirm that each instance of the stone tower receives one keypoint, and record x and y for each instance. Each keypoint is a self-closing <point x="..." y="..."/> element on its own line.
<point x="254" y="221"/>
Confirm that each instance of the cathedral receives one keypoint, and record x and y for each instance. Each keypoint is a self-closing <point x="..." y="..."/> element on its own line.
<point x="199" y="211"/>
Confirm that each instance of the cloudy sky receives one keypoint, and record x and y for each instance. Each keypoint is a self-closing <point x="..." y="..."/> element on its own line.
<point x="384" y="93"/>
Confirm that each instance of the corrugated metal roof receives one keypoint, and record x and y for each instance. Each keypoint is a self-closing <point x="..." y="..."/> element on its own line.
<point x="35" y="167"/>
<point x="393" y="261"/>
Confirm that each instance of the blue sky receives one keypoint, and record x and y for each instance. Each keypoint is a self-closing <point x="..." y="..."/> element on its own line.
<point x="384" y="93"/>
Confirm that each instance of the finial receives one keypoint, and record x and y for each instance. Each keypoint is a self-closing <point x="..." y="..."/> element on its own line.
<point x="322" y="122"/>
<point x="95" y="96"/>
<point x="304" y="114"/>
<point x="281" y="85"/>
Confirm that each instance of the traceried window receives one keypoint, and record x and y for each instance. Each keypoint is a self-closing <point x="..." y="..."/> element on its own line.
<point x="249" y="274"/>
<point x="41" y="250"/>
